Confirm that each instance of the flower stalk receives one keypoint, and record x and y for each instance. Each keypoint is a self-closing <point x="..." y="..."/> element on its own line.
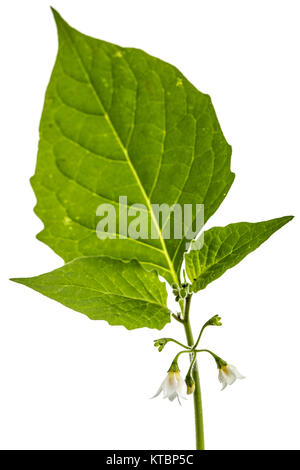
<point x="199" y="427"/>
<point x="173" y="385"/>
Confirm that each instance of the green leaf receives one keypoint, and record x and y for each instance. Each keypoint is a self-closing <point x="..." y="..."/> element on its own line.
<point x="119" y="122"/>
<point x="224" y="247"/>
<point x="122" y="293"/>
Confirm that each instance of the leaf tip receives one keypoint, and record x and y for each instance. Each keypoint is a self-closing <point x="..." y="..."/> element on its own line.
<point x="286" y="219"/>
<point x="60" y="22"/>
<point x="19" y="280"/>
<point x="55" y="13"/>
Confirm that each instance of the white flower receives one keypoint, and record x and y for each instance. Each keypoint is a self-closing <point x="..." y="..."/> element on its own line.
<point x="172" y="387"/>
<point x="228" y="375"/>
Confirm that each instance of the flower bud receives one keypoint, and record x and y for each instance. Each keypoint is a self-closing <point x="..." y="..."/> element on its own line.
<point x="214" y="321"/>
<point x="182" y="293"/>
<point x="190" y="384"/>
<point x="160" y="343"/>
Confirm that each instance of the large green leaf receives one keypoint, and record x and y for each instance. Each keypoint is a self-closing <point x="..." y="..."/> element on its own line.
<point x="119" y="122"/>
<point x="122" y="293"/>
<point x="224" y="247"/>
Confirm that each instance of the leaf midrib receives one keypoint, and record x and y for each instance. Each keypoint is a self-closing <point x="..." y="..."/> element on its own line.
<point x="106" y="293"/>
<point x="125" y="152"/>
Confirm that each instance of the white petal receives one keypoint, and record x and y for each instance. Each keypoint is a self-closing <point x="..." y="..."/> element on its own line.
<point x="181" y="386"/>
<point x="224" y="386"/>
<point x="165" y="387"/>
<point x="222" y="376"/>
<point x="172" y="387"/>
<point x="170" y="384"/>
<point x="172" y="396"/>
<point x="158" y="391"/>
<point x="234" y="370"/>
<point x="222" y="379"/>
<point x="230" y="376"/>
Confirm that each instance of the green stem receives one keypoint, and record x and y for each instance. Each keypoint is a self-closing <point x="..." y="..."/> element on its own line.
<point x="199" y="337"/>
<point x="178" y="342"/>
<point x="197" y="393"/>
<point x="193" y="360"/>
<point x="193" y="353"/>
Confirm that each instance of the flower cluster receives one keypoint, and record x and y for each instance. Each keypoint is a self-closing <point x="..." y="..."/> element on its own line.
<point x="174" y="386"/>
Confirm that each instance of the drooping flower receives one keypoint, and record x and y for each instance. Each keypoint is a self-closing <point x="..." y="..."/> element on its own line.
<point x="228" y="375"/>
<point x="172" y="387"/>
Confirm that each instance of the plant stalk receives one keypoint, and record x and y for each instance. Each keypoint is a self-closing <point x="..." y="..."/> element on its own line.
<point x="197" y="393"/>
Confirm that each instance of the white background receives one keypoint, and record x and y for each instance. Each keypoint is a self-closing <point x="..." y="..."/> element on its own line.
<point x="70" y="383"/>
